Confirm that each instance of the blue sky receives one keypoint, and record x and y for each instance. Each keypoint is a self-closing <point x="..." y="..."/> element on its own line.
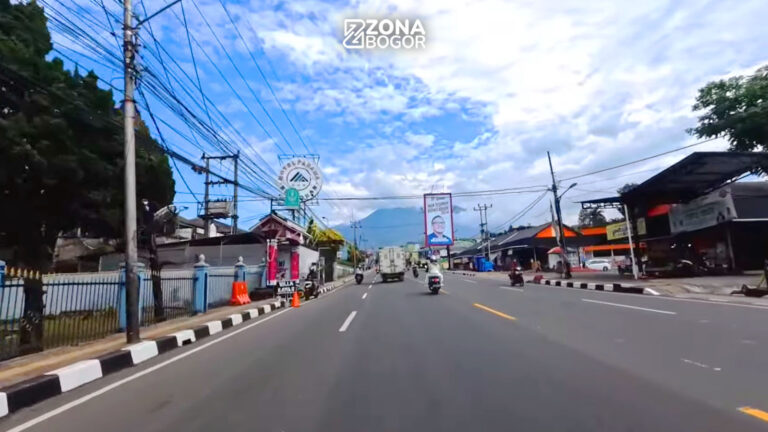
<point x="597" y="83"/>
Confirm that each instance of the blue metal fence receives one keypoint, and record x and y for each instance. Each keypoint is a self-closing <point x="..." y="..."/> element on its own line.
<point x="177" y="300"/>
<point x="39" y="313"/>
<point x="220" y="285"/>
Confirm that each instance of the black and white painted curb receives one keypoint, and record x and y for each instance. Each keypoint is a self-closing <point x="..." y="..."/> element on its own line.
<point x="40" y="388"/>
<point x="463" y="273"/>
<point x="613" y="287"/>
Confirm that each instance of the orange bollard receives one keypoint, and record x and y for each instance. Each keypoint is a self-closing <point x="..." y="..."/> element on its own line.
<point x="295" y="300"/>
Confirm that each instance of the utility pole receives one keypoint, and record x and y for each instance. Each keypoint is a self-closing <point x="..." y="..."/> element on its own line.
<point x="129" y="112"/>
<point x="206" y="214"/>
<point x="561" y="232"/>
<point x="129" y="152"/>
<point x="235" y="217"/>
<point x="355" y="225"/>
<point x="483" y="209"/>
<point x="206" y="197"/>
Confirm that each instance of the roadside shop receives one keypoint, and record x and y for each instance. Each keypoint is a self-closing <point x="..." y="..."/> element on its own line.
<point x="699" y="216"/>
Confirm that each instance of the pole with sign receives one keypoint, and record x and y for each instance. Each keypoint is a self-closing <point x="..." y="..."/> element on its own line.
<point x="292" y="198"/>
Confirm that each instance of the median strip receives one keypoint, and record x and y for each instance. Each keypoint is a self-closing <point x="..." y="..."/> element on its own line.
<point x="494" y="311"/>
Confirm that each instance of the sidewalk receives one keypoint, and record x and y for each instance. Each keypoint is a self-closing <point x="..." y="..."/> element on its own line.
<point x="20" y="368"/>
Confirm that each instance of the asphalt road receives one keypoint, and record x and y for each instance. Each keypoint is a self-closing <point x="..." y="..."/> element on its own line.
<point x="480" y="357"/>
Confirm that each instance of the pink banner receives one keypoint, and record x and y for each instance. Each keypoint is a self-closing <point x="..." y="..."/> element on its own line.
<point x="294" y="264"/>
<point x="271" y="263"/>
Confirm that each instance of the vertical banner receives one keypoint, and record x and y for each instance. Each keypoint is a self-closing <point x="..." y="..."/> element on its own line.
<point x="438" y="219"/>
<point x="295" y="264"/>
<point x="271" y="262"/>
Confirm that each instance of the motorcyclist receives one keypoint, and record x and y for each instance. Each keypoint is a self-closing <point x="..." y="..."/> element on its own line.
<point x="434" y="269"/>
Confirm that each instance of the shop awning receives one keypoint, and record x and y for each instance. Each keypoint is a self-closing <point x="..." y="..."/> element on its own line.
<point x="695" y="175"/>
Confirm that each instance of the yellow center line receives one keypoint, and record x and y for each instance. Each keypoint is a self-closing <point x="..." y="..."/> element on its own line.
<point x="754" y="412"/>
<point x="494" y="311"/>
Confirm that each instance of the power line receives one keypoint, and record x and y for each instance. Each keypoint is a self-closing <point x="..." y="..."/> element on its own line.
<point x="640" y="160"/>
<point x="78" y="35"/>
<point x="247" y="85"/>
<point x="523" y="212"/>
<point x="266" y="81"/>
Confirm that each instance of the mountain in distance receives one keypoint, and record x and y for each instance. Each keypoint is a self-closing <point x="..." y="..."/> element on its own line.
<point x="395" y="227"/>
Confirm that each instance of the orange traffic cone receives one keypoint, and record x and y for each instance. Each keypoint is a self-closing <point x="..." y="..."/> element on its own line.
<point x="295" y="300"/>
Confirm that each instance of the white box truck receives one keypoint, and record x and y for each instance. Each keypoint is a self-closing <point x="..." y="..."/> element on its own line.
<point x="391" y="262"/>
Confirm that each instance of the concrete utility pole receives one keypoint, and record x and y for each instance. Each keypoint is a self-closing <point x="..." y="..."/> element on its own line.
<point x="235" y="217"/>
<point x="129" y="114"/>
<point x="483" y="209"/>
<point x="355" y="225"/>
<point x="131" y="248"/>
<point x="206" y="216"/>
<point x="561" y="236"/>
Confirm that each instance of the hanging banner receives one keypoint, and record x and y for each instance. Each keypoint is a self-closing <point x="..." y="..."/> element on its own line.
<point x="295" y="264"/>
<point x="438" y="219"/>
<point x="271" y="262"/>
<point x="705" y="211"/>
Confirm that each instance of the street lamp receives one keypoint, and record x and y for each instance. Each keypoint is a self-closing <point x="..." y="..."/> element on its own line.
<point x="573" y="185"/>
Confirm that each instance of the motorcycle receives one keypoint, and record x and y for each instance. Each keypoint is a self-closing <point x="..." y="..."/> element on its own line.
<point x="359" y="278"/>
<point x="434" y="284"/>
<point x="415" y="271"/>
<point x="516" y="277"/>
<point x="311" y="289"/>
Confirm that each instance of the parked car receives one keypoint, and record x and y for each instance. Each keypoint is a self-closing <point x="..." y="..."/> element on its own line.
<point x="600" y="264"/>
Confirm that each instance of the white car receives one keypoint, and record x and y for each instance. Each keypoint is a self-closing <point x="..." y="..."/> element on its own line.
<point x="600" y="264"/>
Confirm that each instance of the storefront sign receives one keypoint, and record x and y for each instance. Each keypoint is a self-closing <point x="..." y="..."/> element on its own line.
<point x="706" y="211"/>
<point x="616" y="230"/>
<point x="303" y="175"/>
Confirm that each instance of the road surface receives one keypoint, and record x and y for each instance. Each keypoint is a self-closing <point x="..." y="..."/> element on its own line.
<point x="481" y="357"/>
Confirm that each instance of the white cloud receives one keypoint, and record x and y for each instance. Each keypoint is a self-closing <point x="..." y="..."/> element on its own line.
<point x="596" y="83"/>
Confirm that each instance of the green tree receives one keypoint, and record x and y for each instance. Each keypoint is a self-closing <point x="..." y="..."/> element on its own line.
<point x="61" y="158"/>
<point x="591" y="218"/>
<point x="355" y="253"/>
<point x="735" y="108"/>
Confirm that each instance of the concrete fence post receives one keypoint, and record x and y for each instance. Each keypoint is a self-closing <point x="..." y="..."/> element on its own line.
<point x="201" y="286"/>
<point x="240" y="270"/>
<point x="122" y="312"/>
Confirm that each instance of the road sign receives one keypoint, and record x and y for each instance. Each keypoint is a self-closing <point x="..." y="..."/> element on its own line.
<point x="292" y="198"/>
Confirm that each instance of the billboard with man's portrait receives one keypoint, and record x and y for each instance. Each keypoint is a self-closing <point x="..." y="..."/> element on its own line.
<point x="438" y="219"/>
